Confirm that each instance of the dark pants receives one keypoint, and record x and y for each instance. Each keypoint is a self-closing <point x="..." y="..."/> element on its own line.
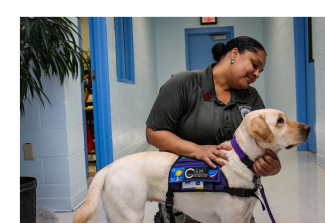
<point x="163" y="217"/>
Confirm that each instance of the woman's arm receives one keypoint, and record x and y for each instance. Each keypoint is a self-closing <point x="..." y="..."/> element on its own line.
<point x="168" y="141"/>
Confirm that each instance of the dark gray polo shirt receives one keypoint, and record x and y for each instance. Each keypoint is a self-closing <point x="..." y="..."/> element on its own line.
<point x="187" y="106"/>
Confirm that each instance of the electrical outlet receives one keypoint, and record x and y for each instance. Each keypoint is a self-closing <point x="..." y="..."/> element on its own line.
<point x="28" y="151"/>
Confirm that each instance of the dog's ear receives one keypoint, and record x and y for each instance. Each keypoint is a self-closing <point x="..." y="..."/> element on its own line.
<point x="259" y="129"/>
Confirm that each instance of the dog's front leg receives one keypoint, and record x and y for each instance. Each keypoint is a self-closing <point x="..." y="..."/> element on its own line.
<point x="239" y="210"/>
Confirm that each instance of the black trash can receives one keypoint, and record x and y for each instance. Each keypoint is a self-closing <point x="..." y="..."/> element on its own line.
<point x="28" y="199"/>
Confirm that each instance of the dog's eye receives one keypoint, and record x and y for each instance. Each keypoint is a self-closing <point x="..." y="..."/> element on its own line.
<point x="280" y="120"/>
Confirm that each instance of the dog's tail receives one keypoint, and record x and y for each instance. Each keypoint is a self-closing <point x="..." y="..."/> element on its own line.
<point x="89" y="206"/>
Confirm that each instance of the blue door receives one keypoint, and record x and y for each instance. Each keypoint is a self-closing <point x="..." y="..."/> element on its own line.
<point x="305" y="79"/>
<point x="199" y="42"/>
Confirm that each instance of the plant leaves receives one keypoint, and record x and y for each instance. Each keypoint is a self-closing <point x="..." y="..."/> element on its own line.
<point x="47" y="48"/>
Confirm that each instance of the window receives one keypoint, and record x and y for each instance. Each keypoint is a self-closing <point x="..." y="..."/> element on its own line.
<point x="124" y="49"/>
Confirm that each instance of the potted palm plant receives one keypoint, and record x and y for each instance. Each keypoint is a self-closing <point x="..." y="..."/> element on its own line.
<point x="48" y="48"/>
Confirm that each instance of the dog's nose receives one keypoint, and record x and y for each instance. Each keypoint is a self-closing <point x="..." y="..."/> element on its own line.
<point x="306" y="128"/>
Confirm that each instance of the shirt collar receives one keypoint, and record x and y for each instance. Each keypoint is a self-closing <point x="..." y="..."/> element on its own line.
<point x="207" y="81"/>
<point x="237" y="96"/>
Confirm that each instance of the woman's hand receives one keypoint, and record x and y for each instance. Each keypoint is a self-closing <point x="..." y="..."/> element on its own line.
<point x="212" y="154"/>
<point x="267" y="165"/>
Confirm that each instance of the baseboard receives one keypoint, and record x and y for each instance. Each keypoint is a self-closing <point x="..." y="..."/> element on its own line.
<point x="55" y="204"/>
<point x="62" y="204"/>
<point x="79" y="199"/>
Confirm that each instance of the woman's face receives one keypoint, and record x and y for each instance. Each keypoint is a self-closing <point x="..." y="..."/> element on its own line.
<point x="246" y="68"/>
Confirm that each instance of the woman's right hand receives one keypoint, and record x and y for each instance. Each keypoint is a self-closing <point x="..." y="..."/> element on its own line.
<point x="212" y="154"/>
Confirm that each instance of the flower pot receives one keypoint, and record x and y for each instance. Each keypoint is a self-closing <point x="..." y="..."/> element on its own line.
<point x="28" y="199"/>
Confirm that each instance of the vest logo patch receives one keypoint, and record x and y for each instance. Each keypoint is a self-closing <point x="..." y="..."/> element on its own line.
<point x="189" y="173"/>
<point x="244" y="110"/>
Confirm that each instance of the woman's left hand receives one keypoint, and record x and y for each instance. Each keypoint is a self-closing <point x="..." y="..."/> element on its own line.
<point x="267" y="165"/>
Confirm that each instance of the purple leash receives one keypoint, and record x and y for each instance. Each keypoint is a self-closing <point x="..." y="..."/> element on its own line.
<point x="249" y="163"/>
<point x="262" y="192"/>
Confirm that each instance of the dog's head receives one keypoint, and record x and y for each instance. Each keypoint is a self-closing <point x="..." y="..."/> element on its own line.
<point x="271" y="129"/>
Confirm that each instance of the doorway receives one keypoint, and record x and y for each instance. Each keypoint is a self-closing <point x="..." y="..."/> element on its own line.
<point x="88" y="106"/>
<point x="97" y="115"/>
<point x="199" y="42"/>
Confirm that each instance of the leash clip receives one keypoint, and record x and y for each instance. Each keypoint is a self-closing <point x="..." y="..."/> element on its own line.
<point x="257" y="181"/>
<point x="262" y="192"/>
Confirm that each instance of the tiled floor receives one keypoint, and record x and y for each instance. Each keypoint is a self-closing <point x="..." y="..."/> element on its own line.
<point x="296" y="195"/>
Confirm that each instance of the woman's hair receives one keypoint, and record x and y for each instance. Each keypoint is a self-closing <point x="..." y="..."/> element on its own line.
<point x="242" y="43"/>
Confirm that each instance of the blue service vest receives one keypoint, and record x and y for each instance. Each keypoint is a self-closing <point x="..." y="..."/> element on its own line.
<point x="192" y="175"/>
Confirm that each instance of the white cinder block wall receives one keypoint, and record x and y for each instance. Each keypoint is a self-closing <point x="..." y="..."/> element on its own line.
<point x="131" y="103"/>
<point x="279" y="73"/>
<point x="170" y="42"/>
<point x="56" y="134"/>
<point x="319" y="56"/>
<point x="75" y="141"/>
<point x="57" y="138"/>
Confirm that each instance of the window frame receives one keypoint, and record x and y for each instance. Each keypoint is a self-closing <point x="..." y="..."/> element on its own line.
<point x="124" y="49"/>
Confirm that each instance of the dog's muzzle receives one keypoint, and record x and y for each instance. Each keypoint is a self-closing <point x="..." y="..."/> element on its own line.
<point x="304" y="131"/>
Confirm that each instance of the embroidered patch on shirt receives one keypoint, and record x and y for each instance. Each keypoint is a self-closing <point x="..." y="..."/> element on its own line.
<point x="244" y="110"/>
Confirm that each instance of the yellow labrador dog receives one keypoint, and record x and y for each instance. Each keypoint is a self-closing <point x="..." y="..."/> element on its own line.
<point x="126" y="184"/>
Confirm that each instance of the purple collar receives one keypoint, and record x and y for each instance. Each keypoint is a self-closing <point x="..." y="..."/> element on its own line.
<point x="242" y="156"/>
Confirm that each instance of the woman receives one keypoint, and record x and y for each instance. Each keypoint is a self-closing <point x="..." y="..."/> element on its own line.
<point x="196" y="111"/>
